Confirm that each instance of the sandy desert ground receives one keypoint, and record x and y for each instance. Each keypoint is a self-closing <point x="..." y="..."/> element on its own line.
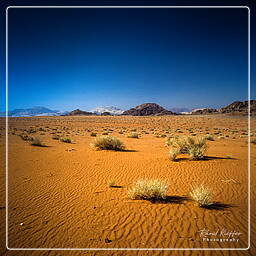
<point x="59" y="195"/>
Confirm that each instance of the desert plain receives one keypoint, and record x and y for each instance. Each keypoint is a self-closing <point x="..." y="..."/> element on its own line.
<point x="59" y="195"/>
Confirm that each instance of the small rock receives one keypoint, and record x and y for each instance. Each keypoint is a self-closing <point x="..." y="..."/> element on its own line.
<point x="21" y="224"/>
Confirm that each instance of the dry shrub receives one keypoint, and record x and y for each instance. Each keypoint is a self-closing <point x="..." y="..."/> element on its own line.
<point x="37" y="142"/>
<point x="253" y="141"/>
<point x="134" y="135"/>
<point x="65" y="140"/>
<point x="209" y="137"/>
<point x="194" y="147"/>
<point x="111" y="183"/>
<point x="173" y="153"/>
<point x="106" y="142"/>
<point x="26" y="137"/>
<point x="55" y="137"/>
<point x="201" y="195"/>
<point x="148" y="190"/>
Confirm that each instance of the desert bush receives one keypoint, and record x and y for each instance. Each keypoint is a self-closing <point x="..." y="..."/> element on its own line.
<point x="209" y="137"/>
<point x="65" y="140"/>
<point x="36" y="142"/>
<point x="173" y="153"/>
<point x="105" y="133"/>
<point x="194" y="147"/>
<point x="201" y="195"/>
<point x="134" y="135"/>
<point x="93" y="134"/>
<point x="26" y="137"/>
<point x="148" y="190"/>
<point x="253" y="141"/>
<point x="111" y="183"/>
<point x="55" y="137"/>
<point x="108" y="143"/>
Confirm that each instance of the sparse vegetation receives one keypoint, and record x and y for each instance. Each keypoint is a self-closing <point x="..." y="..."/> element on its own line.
<point x="55" y="137"/>
<point x="26" y="137"/>
<point x="194" y="147"/>
<point x="93" y="134"/>
<point x="173" y="153"/>
<point x="134" y="135"/>
<point x="209" y="137"/>
<point x="37" y="142"/>
<point x="65" y="140"/>
<point x="201" y="195"/>
<point x="108" y="143"/>
<point x="148" y="190"/>
<point x="111" y="183"/>
<point x="253" y="141"/>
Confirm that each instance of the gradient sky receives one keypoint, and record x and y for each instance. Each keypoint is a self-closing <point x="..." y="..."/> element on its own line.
<point x="82" y="58"/>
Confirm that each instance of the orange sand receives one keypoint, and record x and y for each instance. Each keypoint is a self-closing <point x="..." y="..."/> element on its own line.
<point x="61" y="196"/>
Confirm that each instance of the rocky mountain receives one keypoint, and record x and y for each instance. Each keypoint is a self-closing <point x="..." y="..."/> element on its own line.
<point x="111" y="110"/>
<point x="239" y="107"/>
<point x="35" y="111"/>
<point x="235" y="108"/>
<point x="148" y="109"/>
<point x="78" y="112"/>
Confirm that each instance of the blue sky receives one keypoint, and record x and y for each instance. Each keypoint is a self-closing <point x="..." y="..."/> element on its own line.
<point x="82" y="58"/>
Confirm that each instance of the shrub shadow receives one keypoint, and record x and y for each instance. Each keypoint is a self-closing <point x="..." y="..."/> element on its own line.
<point x="128" y="150"/>
<point x="206" y="158"/>
<point x="170" y="200"/>
<point x="218" y="206"/>
<point x="116" y="186"/>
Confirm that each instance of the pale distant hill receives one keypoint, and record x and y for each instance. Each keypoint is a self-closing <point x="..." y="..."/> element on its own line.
<point x="35" y="111"/>
<point x="111" y="110"/>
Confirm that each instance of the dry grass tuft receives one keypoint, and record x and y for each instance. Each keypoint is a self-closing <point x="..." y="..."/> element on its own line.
<point x="194" y="147"/>
<point x="106" y="142"/>
<point x="148" y="190"/>
<point x="65" y="140"/>
<point x="202" y="196"/>
<point x="209" y="137"/>
<point x="134" y="135"/>
<point x="26" y="137"/>
<point x="37" y="142"/>
<point x="111" y="183"/>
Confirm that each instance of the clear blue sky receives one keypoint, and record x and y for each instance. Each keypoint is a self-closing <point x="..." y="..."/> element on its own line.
<point x="82" y="58"/>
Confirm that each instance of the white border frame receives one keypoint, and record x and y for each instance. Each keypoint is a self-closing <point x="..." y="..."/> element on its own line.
<point x="133" y="249"/>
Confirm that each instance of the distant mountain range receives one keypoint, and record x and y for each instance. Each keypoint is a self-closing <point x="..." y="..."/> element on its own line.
<point x="110" y="110"/>
<point x="35" y="111"/>
<point x="146" y="109"/>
